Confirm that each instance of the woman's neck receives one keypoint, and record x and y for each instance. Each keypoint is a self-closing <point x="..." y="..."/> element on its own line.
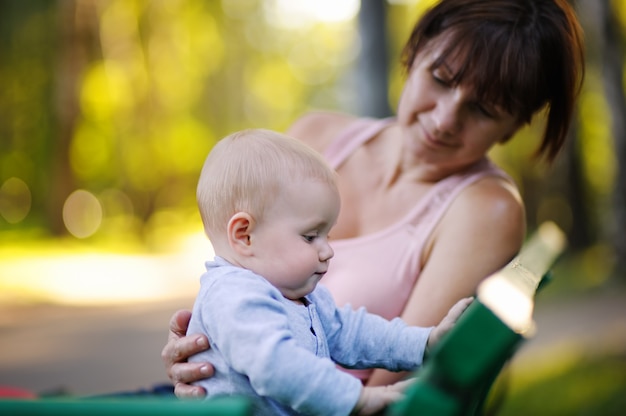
<point x="403" y="165"/>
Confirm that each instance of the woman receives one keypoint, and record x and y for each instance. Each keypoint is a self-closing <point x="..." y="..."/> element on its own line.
<point x="425" y="215"/>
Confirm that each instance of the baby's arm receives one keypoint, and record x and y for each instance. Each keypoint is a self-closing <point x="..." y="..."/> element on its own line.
<point x="375" y="399"/>
<point x="358" y="339"/>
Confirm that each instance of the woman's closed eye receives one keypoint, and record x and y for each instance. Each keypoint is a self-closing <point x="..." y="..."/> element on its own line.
<point x="482" y="110"/>
<point x="441" y="81"/>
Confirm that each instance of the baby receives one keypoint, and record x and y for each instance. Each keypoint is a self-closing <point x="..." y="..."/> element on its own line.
<point x="268" y="203"/>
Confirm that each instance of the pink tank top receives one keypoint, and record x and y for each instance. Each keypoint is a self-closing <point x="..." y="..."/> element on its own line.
<point x="378" y="271"/>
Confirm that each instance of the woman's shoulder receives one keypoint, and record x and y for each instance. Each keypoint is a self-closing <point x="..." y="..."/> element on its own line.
<point x="319" y="128"/>
<point x="492" y="195"/>
<point x="492" y="203"/>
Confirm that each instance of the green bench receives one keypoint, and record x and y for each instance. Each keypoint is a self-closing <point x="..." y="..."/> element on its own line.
<point x="455" y="379"/>
<point x="124" y="406"/>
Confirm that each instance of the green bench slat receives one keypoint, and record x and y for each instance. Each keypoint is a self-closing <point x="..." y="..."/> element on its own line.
<point x="125" y="406"/>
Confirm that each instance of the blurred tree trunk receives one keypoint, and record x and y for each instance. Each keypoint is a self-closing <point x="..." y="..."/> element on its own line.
<point x="613" y="69"/>
<point x="570" y="179"/>
<point x="373" y="66"/>
<point x="29" y="37"/>
<point x="75" y="19"/>
<point x="572" y="183"/>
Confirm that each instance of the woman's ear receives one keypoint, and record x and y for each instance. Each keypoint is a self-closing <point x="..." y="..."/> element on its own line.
<point x="240" y="226"/>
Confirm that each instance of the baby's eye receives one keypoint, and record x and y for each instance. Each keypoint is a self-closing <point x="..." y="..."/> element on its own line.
<point x="309" y="238"/>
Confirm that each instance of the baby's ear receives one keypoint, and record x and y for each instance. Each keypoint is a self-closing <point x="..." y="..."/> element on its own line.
<point x="240" y="226"/>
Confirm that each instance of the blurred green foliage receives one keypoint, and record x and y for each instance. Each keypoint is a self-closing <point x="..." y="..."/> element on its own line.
<point x="571" y="385"/>
<point x="124" y="99"/>
<point x="109" y="108"/>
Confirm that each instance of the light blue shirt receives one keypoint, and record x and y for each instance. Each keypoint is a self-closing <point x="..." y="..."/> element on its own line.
<point x="283" y="354"/>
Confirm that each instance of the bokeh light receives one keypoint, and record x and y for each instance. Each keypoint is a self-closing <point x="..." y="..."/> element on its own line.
<point x="15" y="200"/>
<point x="303" y="13"/>
<point x="82" y="214"/>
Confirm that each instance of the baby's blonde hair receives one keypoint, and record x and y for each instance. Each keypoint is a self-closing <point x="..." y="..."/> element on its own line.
<point x="245" y="172"/>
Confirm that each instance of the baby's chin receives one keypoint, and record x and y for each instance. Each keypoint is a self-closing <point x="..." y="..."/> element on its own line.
<point x="297" y="294"/>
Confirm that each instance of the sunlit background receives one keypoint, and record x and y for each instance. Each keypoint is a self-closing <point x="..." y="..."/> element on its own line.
<point x="110" y="106"/>
<point x="104" y="136"/>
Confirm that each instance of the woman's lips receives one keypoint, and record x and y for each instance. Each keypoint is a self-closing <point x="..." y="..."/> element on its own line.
<point x="432" y="141"/>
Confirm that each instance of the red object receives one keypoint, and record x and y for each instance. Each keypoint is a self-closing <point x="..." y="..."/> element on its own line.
<point x="7" y="391"/>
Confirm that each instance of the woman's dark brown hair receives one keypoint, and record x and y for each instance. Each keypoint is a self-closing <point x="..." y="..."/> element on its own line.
<point x="523" y="55"/>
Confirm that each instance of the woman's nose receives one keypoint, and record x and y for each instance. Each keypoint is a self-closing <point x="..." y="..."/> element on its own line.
<point x="448" y="114"/>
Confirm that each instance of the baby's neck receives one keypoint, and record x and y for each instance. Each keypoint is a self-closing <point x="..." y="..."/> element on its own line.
<point x="300" y="301"/>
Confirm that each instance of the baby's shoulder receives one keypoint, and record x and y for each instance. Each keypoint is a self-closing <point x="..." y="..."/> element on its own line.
<point x="232" y="279"/>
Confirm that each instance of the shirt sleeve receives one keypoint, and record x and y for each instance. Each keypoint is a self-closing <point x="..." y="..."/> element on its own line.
<point x="246" y="320"/>
<point x="358" y="339"/>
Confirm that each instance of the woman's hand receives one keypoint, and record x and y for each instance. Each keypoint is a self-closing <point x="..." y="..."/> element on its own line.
<point x="178" y="349"/>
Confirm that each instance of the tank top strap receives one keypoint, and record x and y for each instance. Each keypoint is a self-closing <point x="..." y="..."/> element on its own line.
<point x="353" y="136"/>
<point x="445" y="192"/>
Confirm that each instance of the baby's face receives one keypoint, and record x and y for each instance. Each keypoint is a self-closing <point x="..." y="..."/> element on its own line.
<point x="291" y="242"/>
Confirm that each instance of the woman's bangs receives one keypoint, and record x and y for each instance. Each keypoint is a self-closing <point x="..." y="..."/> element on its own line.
<point x="499" y="75"/>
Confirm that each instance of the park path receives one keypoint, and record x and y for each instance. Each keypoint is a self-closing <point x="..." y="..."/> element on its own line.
<point x="92" y="350"/>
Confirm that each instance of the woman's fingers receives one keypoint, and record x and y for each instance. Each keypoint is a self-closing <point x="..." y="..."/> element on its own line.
<point x="187" y="373"/>
<point x="187" y="391"/>
<point x="180" y="347"/>
<point x="179" y="322"/>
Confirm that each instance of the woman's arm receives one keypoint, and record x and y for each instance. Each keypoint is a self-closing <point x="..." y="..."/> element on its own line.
<point x="482" y="231"/>
<point x="176" y="352"/>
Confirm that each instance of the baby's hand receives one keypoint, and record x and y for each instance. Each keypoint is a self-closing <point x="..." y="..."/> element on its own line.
<point x="375" y="399"/>
<point x="448" y="321"/>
